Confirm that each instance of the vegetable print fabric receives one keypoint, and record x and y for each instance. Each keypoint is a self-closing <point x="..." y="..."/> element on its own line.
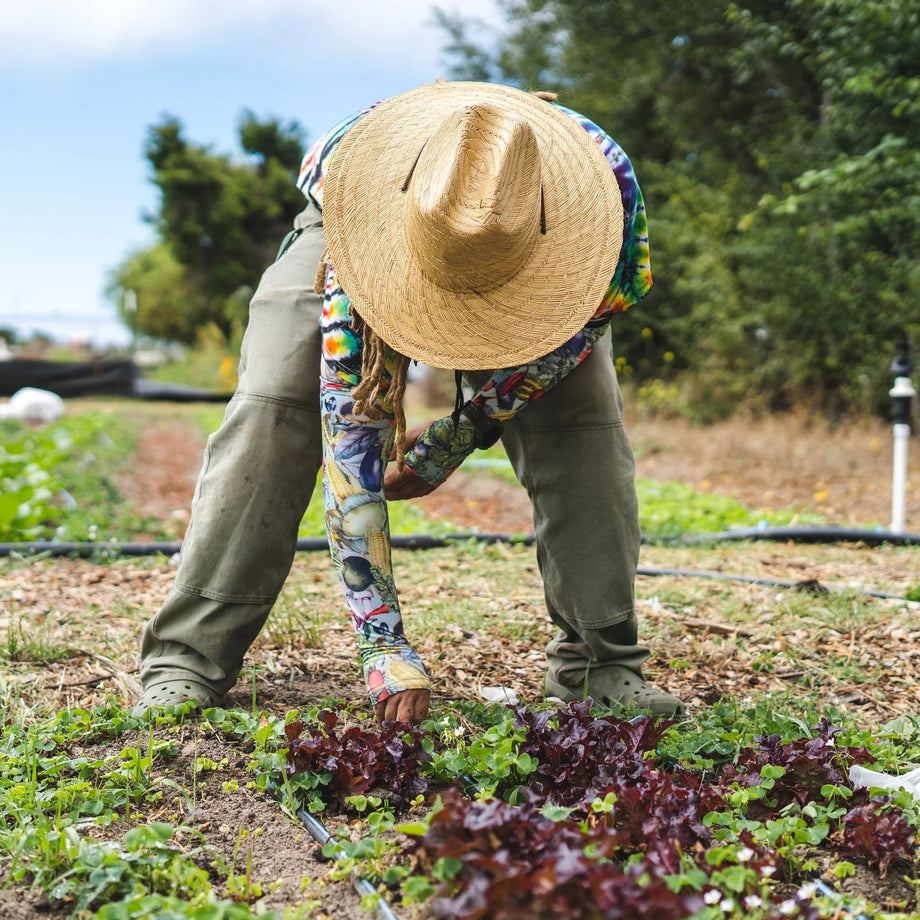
<point x="355" y="453"/>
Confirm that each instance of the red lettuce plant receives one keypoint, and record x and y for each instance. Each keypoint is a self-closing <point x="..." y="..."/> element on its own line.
<point x="502" y="861"/>
<point x="584" y="755"/>
<point x="585" y="758"/>
<point x="514" y="862"/>
<point x="359" y="760"/>
<point x="810" y="764"/>
<point x="867" y="830"/>
<point x="881" y="836"/>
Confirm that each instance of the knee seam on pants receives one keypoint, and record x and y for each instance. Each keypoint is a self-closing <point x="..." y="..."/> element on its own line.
<point x="276" y="400"/>
<point x="610" y="619"/>
<point x="193" y="591"/>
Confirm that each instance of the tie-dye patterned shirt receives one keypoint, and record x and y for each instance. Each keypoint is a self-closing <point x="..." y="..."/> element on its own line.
<point x="356" y="448"/>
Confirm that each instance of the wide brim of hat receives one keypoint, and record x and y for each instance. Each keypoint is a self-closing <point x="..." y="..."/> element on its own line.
<point x="554" y="294"/>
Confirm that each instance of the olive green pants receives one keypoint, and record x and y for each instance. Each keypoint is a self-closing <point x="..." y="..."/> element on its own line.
<point x="569" y="449"/>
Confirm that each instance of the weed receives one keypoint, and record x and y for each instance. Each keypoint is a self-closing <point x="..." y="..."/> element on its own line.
<point x="35" y="644"/>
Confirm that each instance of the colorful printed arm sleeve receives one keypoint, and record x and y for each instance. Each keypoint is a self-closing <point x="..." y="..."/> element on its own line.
<point x="355" y="453"/>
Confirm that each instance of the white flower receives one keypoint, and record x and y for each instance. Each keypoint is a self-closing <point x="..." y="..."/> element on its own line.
<point x="787" y="907"/>
<point x="712" y="896"/>
<point x="807" y="890"/>
<point x="752" y="901"/>
<point x="728" y="905"/>
<point x="768" y="871"/>
<point x="745" y="854"/>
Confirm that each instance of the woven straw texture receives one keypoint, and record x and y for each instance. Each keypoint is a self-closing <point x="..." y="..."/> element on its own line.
<point x="451" y="268"/>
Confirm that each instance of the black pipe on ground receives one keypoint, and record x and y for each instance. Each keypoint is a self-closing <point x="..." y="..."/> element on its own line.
<point x="805" y="534"/>
<point x="810" y="534"/>
<point x="321" y="835"/>
<point x="808" y="585"/>
<point x="305" y="544"/>
<point x="423" y="541"/>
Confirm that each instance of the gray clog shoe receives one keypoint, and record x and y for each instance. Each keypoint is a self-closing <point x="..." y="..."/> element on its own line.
<point x="173" y="692"/>
<point x="617" y="684"/>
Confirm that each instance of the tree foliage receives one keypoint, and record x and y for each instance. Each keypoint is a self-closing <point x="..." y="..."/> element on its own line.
<point x="777" y="143"/>
<point x="777" y="146"/>
<point x="219" y="223"/>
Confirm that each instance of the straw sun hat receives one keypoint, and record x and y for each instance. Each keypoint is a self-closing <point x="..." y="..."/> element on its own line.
<point x="472" y="225"/>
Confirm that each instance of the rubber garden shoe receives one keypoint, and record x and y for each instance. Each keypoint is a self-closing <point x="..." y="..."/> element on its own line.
<point x="173" y="692"/>
<point x="617" y="684"/>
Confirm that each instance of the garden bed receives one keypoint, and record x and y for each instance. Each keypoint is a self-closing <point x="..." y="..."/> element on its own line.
<point x="771" y="675"/>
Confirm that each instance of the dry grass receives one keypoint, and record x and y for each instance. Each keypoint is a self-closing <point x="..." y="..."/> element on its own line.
<point x="476" y="615"/>
<point x="841" y="471"/>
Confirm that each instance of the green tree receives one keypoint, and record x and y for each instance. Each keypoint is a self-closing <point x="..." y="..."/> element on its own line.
<point x="219" y="223"/>
<point x="167" y="307"/>
<point x="776" y="145"/>
<point x="850" y="220"/>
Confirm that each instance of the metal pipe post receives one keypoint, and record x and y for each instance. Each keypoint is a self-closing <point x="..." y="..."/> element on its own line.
<point x="902" y="394"/>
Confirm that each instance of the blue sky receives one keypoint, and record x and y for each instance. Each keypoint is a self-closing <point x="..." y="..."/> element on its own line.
<point x="80" y="83"/>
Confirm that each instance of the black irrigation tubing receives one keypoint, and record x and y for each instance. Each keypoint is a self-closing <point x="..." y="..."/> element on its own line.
<point x="805" y="534"/>
<point x="810" y="534"/>
<point x="424" y="541"/>
<point x="322" y="836"/>
<point x="809" y="585"/>
<point x="304" y="545"/>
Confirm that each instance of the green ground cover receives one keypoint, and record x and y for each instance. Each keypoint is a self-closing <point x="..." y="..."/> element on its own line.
<point x="56" y="483"/>
<point x="744" y="809"/>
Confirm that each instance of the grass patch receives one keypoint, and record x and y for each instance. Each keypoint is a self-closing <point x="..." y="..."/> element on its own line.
<point x="57" y="482"/>
<point x="670" y="510"/>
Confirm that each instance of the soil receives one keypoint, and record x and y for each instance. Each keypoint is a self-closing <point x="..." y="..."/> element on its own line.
<point x="226" y="825"/>
<point x="843" y="471"/>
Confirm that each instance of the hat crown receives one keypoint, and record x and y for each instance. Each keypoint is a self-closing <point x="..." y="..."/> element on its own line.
<point x="473" y="205"/>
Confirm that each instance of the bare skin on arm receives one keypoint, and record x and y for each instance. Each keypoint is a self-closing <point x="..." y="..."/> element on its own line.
<point x="399" y="486"/>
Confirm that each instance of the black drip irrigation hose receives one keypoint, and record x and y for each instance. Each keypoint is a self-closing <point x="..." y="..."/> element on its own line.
<point x="424" y="541"/>
<point x="809" y="585"/>
<point x="322" y="836"/>
<point x="304" y="545"/>
<point x="809" y="534"/>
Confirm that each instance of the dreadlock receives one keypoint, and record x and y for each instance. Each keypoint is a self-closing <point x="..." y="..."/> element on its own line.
<point x="374" y="384"/>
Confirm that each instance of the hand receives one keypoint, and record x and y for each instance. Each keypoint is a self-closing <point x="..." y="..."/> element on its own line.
<point x="412" y="436"/>
<point x="405" y="706"/>
<point x="401" y="485"/>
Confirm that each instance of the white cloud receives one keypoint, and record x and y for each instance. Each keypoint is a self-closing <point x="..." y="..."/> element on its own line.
<point x="65" y="33"/>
